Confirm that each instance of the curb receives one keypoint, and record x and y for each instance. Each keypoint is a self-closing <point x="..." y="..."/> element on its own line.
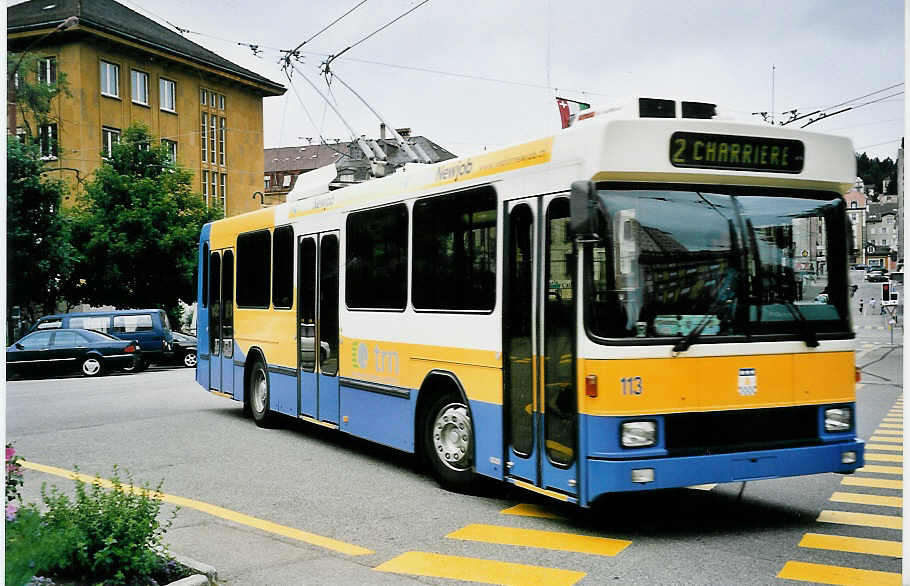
<point x="205" y="574"/>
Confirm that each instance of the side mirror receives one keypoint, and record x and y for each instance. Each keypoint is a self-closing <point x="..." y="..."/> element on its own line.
<point x="19" y="346"/>
<point x="585" y="221"/>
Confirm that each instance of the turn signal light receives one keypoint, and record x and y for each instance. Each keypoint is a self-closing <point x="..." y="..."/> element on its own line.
<point x="129" y="349"/>
<point x="591" y="385"/>
<point x="858" y="375"/>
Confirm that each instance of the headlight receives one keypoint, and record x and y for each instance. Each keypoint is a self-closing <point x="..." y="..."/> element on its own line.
<point x="838" y="419"/>
<point x="639" y="434"/>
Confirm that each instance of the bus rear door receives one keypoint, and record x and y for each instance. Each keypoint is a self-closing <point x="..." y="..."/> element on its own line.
<point x="221" y="320"/>
<point x="538" y="345"/>
<point x="317" y="326"/>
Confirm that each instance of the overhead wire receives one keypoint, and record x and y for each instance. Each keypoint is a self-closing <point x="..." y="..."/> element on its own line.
<point x="294" y="51"/>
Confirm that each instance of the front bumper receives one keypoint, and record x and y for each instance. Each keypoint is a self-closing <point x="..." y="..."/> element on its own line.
<point x="606" y="476"/>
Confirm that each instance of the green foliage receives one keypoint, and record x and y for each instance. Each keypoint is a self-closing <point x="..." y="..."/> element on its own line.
<point x="138" y="226"/>
<point x="874" y="171"/>
<point x="39" y="255"/>
<point x="110" y="536"/>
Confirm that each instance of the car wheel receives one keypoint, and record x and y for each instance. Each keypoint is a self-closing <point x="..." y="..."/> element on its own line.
<point x="448" y="442"/>
<point x="258" y="393"/>
<point x="189" y="360"/>
<point x="91" y="366"/>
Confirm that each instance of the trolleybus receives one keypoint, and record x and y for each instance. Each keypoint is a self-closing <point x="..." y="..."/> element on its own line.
<point x="625" y="305"/>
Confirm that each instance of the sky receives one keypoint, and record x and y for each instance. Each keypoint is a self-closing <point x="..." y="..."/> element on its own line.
<point x="481" y="74"/>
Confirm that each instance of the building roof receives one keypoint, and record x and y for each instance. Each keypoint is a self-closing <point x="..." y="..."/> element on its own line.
<point x="114" y="18"/>
<point x="877" y="211"/>
<point x="855" y="196"/>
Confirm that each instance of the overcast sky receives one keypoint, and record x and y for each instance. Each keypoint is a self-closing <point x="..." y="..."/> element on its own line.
<point x="824" y="52"/>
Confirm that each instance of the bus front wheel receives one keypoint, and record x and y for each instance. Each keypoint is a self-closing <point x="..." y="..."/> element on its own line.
<point x="259" y="395"/>
<point x="448" y="442"/>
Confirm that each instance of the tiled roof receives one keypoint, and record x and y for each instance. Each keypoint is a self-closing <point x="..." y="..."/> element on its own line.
<point x="114" y="18"/>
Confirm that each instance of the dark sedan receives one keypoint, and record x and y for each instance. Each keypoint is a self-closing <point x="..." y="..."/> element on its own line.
<point x="877" y="277"/>
<point x="184" y="348"/>
<point x="69" y="350"/>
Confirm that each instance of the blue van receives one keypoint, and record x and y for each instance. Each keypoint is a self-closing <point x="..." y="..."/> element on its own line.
<point x="149" y="326"/>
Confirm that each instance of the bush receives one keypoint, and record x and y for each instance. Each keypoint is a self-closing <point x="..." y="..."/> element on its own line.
<point x="105" y="536"/>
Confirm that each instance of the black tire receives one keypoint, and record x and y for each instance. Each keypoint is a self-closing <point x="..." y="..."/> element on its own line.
<point x="138" y="367"/>
<point x="92" y="366"/>
<point x="448" y="442"/>
<point x="258" y="394"/>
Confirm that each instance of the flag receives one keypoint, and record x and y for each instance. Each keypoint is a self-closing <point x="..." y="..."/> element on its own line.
<point x="569" y="109"/>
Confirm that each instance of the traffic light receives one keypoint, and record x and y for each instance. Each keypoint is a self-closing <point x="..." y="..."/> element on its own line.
<point x="886" y="291"/>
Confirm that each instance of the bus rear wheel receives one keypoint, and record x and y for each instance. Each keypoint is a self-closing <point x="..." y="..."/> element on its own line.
<point x="258" y="393"/>
<point x="448" y="442"/>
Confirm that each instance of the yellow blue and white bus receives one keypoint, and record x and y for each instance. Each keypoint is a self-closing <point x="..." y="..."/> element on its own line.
<point x="629" y="304"/>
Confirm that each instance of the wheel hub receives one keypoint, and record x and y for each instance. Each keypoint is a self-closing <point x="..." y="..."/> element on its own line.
<point x="452" y="436"/>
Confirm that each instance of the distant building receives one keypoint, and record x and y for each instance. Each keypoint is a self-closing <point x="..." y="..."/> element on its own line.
<point x="283" y="165"/>
<point x="856" y="211"/>
<point x="122" y="67"/>
<point x="900" y="203"/>
<point x="881" y="231"/>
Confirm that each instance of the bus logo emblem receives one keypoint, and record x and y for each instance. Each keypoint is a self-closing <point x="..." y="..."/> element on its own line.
<point x="748" y="385"/>
<point x="361" y="355"/>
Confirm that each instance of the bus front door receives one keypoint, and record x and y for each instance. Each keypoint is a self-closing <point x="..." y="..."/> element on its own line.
<point x="538" y="345"/>
<point x="317" y="326"/>
<point x="221" y="321"/>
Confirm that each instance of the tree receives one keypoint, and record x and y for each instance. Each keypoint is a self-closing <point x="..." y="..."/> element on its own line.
<point x="874" y="171"/>
<point x="39" y="256"/>
<point x="33" y="93"/>
<point x="137" y="227"/>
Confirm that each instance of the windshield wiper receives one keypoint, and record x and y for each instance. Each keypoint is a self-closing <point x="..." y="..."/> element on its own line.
<point x="809" y="336"/>
<point x="693" y="335"/>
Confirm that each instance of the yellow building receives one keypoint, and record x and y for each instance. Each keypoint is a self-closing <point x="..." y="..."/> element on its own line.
<point x="122" y="67"/>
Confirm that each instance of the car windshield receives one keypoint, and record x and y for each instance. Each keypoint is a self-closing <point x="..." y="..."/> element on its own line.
<point x="722" y="262"/>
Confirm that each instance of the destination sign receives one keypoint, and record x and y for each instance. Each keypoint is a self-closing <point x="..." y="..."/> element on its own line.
<point x="741" y="153"/>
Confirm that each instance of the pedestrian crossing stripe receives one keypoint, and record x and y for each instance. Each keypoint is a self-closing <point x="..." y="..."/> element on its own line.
<point x="861" y="498"/>
<point x="882" y="469"/>
<point x="888" y="432"/>
<point x="891" y="425"/>
<point x="872" y="482"/>
<point x="883" y="547"/>
<point x="540" y="539"/>
<point x="861" y="519"/>
<point x="419" y="563"/>
<point x="825" y="574"/>
<point x="884" y="447"/>
<point x="874" y="457"/>
<point x="887" y="439"/>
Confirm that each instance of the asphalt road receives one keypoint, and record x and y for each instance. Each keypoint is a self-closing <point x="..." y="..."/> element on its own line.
<point x="299" y="504"/>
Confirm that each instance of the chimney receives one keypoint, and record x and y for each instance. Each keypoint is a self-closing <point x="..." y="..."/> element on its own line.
<point x="382" y="130"/>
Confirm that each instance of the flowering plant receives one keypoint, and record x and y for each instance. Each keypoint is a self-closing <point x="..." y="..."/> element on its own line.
<point x="14" y="481"/>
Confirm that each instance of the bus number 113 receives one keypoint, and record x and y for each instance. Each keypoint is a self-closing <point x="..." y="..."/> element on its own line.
<point x="631" y="385"/>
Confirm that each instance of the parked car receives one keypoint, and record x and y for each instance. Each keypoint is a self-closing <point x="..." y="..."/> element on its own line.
<point x="149" y="327"/>
<point x="859" y="267"/>
<point x="68" y="350"/>
<point x="184" y="349"/>
<point x="876" y="277"/>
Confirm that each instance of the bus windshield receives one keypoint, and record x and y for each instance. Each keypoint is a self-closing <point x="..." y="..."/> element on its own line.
<point x="720" y="262"/>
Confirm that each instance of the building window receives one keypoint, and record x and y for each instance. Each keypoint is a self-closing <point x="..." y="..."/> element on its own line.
<point x="221" y="101"/>
<point x="213" y="183"/>
<point x="110" y="79"/>
<point x="167" y="91"/>
<point x="47" y="140"/>
<point x="140" y="83"/>
<point x="205" y="188"/>
<point x="212" y="99"/>
<point x="171" y="150"/>
<point x="20" y="134"/>
<point x="47" y="70"/>
<point x="204" y="135"/>
<point x="202" y="95"/>
<point x="223" y="193"/>
<point x="286" y="181"/>
<point x="212" y="122"/>
<point x="266" y="178"/>
<point x="221" y="128"/>
<point x="109" y="137"/>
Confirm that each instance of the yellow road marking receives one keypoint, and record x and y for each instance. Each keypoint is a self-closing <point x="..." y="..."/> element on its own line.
<point x="852" y="544"/>
<point x="703" y="486"/>
<point x="882" y="469"/>
<point x="420" y="563"/>
<point x="541" y="539"/>
<point x="892" y="425"/>
<point x="825" y="574"/>
<point x="528" y="510"/>
<point x="884" y="447"/>
<point x="892" y="419"/>
<point x="886" y="439"/>
<point x="889" y="432"/>
<point x="872" y="482"/>
<point x="873" y="457"/>
<point x="860" y="498"/>
<point x="214" y="510"/>
<point x="861" y="519"/>
<point x="537" y="489"/>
